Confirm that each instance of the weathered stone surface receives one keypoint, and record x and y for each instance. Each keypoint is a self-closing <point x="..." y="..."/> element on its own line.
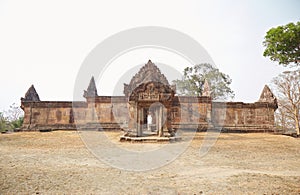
<point x="148" y="73"/>
<point x="91" y="90"/>
<point x="206" y="89"/>
<point x="243" y="117"/>
<point x="267" y="95"/>
<point x="31" y="95"/>
<point x="147" y="93"/>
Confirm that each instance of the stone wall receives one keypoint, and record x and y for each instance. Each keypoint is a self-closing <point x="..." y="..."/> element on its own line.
<point x="243" y="117"/>
<point x="191" y="112"/>
<point x="146" y="89"/>
<point x="113" y="113"/>
<point x="51" y="114"/>
<point x="106" y="110"/>
<point x="110" y="112"/>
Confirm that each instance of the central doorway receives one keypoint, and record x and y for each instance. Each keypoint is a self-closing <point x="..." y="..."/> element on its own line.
<point x="151" y="118"/>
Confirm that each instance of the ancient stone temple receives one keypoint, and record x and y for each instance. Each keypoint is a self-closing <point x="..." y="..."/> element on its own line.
<point x="149" y="104"/>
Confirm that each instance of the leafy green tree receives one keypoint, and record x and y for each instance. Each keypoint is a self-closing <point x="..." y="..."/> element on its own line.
<point x="194" y="77"/>
<point x="17" y="123"/>
<point x="283" y="44"/>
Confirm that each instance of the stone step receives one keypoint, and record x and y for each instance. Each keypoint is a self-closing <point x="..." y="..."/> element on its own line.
<point x="100" y="126"/>
<point x="150" y="139"/>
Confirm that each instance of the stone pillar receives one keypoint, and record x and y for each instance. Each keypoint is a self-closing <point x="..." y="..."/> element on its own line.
<point x="160" y="128"/>
<point x="132" y="116"/>
<point x="169" y="119"/>
<point x="90" y="118"/>
<point x="136" y="119"/>
<point x="139" y="122"/>
<point x="156" y="119"/>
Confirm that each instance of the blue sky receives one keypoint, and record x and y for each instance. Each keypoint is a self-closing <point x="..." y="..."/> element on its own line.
<point x="45" y="42"/>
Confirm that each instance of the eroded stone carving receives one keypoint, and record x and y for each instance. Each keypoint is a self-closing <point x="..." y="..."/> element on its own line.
<point x="149" y="92"/>
<point x="148" y="73"/>
<point x="31" y="95"/>
<point x="206" y="89"/>
<point x="91" y="90"/>
<point x="267" y="96"/>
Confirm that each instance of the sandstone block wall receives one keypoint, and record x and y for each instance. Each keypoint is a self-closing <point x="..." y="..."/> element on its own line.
<point x="186" y="112"/>
<point x="191" y="112"/>
<point x="51" y="114"/>
<point x="149" y="86"/>
<point x="244" y="117"/>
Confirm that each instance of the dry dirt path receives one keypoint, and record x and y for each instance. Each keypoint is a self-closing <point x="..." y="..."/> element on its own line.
<point x="59" y="163"/>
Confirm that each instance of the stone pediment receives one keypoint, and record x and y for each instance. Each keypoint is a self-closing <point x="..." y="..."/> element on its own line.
<point x="31" y="95"/>
<point x="267" y="96"/>
<point x="148" y="73"/>
<point x="91" y="90"/>
<point x="152" y="91"/>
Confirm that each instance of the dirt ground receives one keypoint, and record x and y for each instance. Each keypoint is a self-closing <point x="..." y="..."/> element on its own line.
<point x="58" y="162"/>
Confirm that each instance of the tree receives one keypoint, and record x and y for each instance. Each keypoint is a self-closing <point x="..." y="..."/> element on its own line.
<point x="4" y="124"/>
<point x="283" y="121"/>
<point x="11" y="118"/>
<point x="287" y="86"/>
<point x="194" y="77"/>
<point x="283" y="44"/>
<point x="14" y="112"/>
<point x="17" y="123"/>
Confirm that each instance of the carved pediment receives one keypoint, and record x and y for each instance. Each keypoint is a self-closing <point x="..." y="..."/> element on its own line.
<point x="31" y="95"/>
<point x="91" y="90"/>
<point x="267" y="96"/>
<point x="146" y="96"/>
<point x="206" y="89"/>
<point x="152" y="91"/>
<point x="148" y="73"/>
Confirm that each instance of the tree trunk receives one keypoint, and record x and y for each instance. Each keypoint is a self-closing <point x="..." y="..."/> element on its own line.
<point x="296" y="121"/>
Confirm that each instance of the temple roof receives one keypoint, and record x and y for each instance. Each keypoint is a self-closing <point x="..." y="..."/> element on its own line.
<point x="267" y="96"/>
<point x="91" y="90"/>
<point x="206" y="89"/>
<point x="148" y="73"/>
<point x="31" y="95"/>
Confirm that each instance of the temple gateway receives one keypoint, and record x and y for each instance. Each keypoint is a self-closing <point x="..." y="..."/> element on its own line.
<point x="150" y="104"/>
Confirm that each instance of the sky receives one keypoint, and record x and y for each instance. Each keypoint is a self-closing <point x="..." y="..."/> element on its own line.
<point x="45" y="42"/>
